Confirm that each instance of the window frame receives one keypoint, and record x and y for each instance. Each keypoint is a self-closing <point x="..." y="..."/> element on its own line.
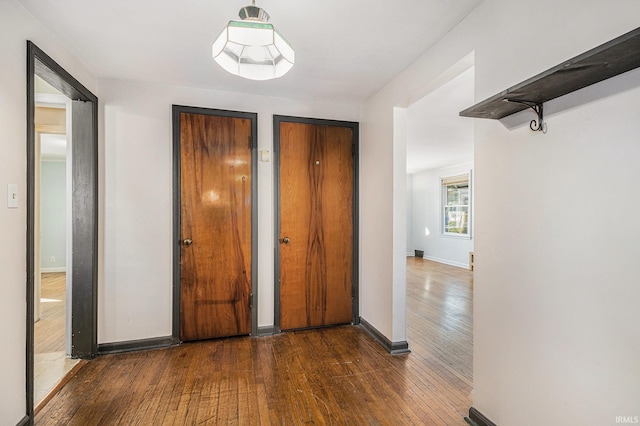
<point x="443" y="205"/>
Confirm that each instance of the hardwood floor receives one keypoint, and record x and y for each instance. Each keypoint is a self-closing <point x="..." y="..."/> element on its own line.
<point x="327" y="376"/>
<point x="50" y="361"/>
<point x="50" y="329"/>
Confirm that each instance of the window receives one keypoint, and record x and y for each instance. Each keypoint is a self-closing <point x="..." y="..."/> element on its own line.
<point x="456" y="205"/>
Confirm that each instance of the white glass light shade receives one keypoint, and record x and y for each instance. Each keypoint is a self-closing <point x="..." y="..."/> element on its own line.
<point x="253" y="50"/>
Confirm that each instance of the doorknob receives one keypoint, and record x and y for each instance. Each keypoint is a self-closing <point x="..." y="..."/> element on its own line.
<point x="187" y="242"/>
<point x="285" y="240"/>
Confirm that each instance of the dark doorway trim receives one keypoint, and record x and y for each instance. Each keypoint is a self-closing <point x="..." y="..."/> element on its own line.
<point x="253" y="117"/>
<point x="84" y="301"/>
<point x="354" y="126"/>
<point x="476" y="418"/>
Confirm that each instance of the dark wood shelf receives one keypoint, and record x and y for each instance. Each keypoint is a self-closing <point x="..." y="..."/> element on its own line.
<point x="615" y="57"/>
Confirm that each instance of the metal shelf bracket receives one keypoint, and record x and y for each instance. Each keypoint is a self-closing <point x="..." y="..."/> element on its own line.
<point x="536" y="125"/>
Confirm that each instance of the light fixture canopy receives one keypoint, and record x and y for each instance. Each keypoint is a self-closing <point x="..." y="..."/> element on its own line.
<point x="252" y="48"/>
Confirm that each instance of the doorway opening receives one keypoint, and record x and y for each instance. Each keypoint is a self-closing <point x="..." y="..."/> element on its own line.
<point x="72" y="244"/>
<point x="52" y="220"/>
<point x="439" y="283"/>
<point x="440" y="146"/>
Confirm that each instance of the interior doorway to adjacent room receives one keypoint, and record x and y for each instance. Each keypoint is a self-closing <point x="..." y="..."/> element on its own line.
<point x="52" y="220"/>
<point x="439" y="146"/>
<point x="67" y="112"/>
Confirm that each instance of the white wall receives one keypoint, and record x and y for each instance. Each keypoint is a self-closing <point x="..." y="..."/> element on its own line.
<point x="410" y="243"/>
<point x="53" y="216"/>
<point x="399" y="293"/>
<point x="556" y="336"/>
<point x="16" y="26"/>
<point x="426" y="213"/>
<point x="135" y="293"/>
<point x="376" y="218"/>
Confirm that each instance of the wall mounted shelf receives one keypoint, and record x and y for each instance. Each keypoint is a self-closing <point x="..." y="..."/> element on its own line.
<point x="615" y="57"/>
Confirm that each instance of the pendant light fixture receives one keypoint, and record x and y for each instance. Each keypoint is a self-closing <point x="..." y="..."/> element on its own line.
<point x="252" y="48"/>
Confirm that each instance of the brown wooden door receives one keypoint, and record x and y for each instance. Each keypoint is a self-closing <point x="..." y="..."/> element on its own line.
<point x="215" y="226"/>
<point x="316" y="225"/>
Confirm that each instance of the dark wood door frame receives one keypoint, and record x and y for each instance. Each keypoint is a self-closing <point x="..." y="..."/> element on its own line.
<point x="84" y="303"/>
<point x="253" y="117"/>
<point x="354" y="126"/>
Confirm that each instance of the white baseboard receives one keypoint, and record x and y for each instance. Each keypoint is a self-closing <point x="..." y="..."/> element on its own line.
<point x="448" y="262"/>
<point x="59" y="269"/>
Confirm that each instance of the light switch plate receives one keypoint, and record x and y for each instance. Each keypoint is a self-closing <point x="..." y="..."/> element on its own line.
<point x="12" y="196"/>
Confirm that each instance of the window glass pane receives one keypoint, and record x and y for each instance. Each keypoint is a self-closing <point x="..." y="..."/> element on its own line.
<point x="456" y="197"/>
<point x="456" y="220"/>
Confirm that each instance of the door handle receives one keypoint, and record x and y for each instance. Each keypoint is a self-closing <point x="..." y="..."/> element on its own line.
<point x="285" y="240"/>
<point x="187" y="242"/>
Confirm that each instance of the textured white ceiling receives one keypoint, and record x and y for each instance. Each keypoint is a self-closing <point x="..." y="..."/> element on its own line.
<point x="345" y="49"/>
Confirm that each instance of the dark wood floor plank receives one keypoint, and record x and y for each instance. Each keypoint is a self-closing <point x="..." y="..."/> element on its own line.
<point x="333" y="375"/>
